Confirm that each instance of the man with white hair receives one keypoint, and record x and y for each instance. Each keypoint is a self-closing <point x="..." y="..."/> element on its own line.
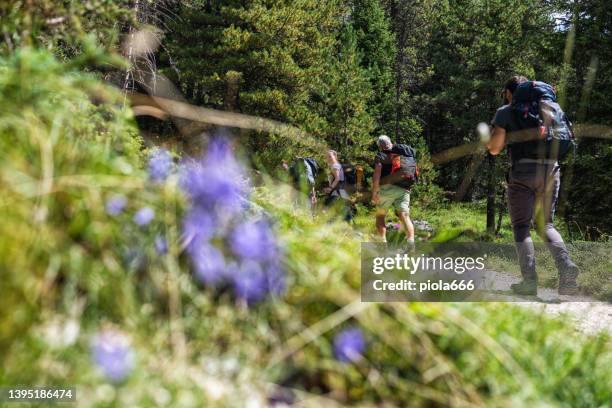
<point x="388" y="189"/>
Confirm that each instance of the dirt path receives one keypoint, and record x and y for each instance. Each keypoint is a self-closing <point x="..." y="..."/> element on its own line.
<point x="588" y="314"/>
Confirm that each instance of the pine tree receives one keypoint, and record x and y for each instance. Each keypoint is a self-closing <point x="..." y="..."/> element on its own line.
<point x="261" y="57"/>
<point x="473" y="49"/>
<point x="346" y="96"/>
<point x="412" y="24"/>
<point x="376" y="43"/>
<point x="584" y="30"/>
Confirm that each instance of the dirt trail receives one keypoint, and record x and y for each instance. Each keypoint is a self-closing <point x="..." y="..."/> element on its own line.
<point x="588" y="314"/>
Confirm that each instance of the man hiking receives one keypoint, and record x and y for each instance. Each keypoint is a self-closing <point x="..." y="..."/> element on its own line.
<point x="394" y="173"/>
<point x="303" y="174"/>
<point x="534" y="176"/>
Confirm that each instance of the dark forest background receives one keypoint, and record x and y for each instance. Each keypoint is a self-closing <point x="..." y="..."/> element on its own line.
<point x="425" y="72"/>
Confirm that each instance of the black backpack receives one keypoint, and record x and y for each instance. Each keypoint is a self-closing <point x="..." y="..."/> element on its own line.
<point x="304" y="170"/>
<point x="404" y="168"/>
<point x="534" y="106"/>
<point x="350" y="178"/>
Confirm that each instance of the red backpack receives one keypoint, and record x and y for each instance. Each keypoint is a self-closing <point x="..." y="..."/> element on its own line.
<point x="404" y="169"/>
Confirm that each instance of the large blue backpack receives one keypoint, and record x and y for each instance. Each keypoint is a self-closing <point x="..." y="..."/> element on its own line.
<point x="534" y="106"/>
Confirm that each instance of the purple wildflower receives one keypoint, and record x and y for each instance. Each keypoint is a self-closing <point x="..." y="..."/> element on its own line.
<point x="216" y="182"/>
<point x="422" y="225"/>
<point x="250" y="283"/>
<point x="349" y="345"/>
<point x="161" y="245"/>
<point x="209" y="264"/>
<point x="253" y="240"/>
<point x="217" y="191"/>
<point x="115" y="205"/>
<point x="144" y="216"/>
<point x="276" y="280"/>
<point x="253" y="281"/>
<point x="160" y="165"/>
<point x="111" y="351"/>
<point x="198" y="226"/>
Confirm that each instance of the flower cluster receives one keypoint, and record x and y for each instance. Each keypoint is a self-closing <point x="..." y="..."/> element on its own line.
<point x="422" y="225"/>
<point x="223" y="243"/>
<point x="112" y="353"/>
<point x="394" y="226"/>
<point x="160" y="165"/>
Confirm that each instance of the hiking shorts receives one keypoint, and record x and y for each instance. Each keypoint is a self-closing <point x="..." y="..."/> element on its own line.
<point x="394" y="197"/>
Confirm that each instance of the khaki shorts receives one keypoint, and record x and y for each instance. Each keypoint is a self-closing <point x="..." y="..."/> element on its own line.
<point x="394" y="197"/>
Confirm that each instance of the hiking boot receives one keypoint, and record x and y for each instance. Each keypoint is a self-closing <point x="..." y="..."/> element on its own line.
<point x="567" y="279"/>
<point x="525" y="287"/>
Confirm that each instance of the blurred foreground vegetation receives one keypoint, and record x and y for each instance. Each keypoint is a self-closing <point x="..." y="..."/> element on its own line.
<point x="72" y="269"/>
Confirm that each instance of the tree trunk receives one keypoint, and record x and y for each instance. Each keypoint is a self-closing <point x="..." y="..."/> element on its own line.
<point x="491" y="195"/>
<point x="500" y="210"/>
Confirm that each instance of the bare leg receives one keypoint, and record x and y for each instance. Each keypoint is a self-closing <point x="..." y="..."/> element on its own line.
<point x="406" y="224"/>
<point x="381" y="228"/>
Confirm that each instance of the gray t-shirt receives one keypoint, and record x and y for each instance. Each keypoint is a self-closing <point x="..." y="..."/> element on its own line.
<point x="341" y="183"/>
<point x="525" y="150"/>
<point x="504" y="118"/>
<point x="340" y="170"/>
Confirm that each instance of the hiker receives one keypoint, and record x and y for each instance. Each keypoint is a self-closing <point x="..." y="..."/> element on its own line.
<point x="538" y="134"/>
<point x="303" y="174"/>
<point x="395" y="172"/>
<point x="336" y="189"/>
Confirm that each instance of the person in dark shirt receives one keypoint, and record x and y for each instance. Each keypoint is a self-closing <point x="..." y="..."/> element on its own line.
<point x="531" y="181"/>
<point x="386" y="195"/>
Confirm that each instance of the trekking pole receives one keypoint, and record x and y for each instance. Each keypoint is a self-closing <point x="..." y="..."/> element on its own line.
<point x="313" y="204"/>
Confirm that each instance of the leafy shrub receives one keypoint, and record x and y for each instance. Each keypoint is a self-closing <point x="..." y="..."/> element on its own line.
<point x="61" y="26"/>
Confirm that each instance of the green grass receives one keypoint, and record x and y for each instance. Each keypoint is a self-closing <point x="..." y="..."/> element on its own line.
<point x="451" y="221"/>
<point x="467" y="222"/>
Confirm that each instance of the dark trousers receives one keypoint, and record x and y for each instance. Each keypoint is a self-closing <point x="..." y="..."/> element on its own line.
<point x="534" y="185"/>
<point x="341" y="205"/>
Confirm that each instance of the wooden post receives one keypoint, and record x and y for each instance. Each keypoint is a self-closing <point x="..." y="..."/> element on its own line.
<point x="359" y="174"/>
